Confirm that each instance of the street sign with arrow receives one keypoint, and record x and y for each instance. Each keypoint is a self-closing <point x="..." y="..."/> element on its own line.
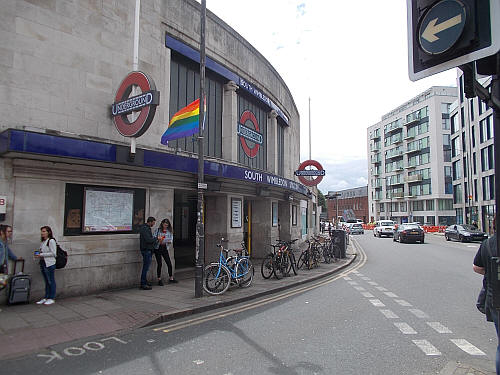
<point x="444" y="34"/>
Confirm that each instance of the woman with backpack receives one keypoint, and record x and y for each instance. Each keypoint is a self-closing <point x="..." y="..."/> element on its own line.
<point x="47" y="255"/>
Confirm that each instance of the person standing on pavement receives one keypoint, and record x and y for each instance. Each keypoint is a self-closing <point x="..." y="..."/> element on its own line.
<point x="165" y="235"/>
<point x="5" y="252"/>
<point x="47" y="255"/>
<point x="482" y="266"/>
<point x="147" y="244"/>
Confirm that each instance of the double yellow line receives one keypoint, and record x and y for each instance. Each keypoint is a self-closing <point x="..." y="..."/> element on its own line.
<point x="261" y="302"/>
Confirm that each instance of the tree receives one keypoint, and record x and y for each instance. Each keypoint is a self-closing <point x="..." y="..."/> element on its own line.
<point x="322" y="201"/>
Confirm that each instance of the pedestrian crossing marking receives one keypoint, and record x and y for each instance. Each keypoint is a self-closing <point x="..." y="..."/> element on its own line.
<point x="389" y="314"/>
<point x="367" y="294"/>
<point x="376" y="303"/>
<point x="402" y="302"/>
<point x="360" y="288"/>
<point x="405" y="328"/>
<point x="347" y="278"/>
<point x="353" y="282"/>
<point x="390" y="294"/>
<point x="381" y="288"/>
<point x="419" y="313"/>
<point x="426" y="347"/>
<point x="438" y="327"/>
<point x="467" y="347"/>
<point x="372" y="283"/>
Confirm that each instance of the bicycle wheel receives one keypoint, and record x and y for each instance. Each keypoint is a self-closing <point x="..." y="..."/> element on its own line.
<point x="244" y="271"/>
<point x="302" y="260"/>
<point x="293" y="264"/>
<point x="217" y="279"/>
<point x="266" y="268"/>
<point x="278" y="269"/>
<point x="326" y="255"/>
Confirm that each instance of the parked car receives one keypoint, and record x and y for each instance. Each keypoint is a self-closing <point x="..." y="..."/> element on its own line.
<point x="409" y="232"/>
<point x="464" y="233"/>
<point x="357" y="229"/>
<point x="384" y="228"/>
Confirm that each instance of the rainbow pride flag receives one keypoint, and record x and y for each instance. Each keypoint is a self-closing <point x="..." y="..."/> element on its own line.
<point x="183" y="124"/>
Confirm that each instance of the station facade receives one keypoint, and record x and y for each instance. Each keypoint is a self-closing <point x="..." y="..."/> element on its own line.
<point x="65" y="164"/>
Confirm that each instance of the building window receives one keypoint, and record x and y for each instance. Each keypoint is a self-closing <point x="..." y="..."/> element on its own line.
<point x="445" y="108"/>
<point x="471" y="103"/>
<point x="454" y="123"/>
<point x="460" y="215"/>
<point x="475" y="190"/>
<point x="281" y="147"/>
<point x="445" y="204"/>
<point x="429" y="204"/>
<point x="447" y="155"/>
<point x="184" y="89"/>
<point x="457" y="194"/>
<point x="487" y="158"/>
<point x="382" y="207"/>
<point x="402" y="207"/>
<point x="294" y="215"/>
<point x="457" y="170"/>
<point x="455" y="147"/>
<point x="473" y="136"/>
<point x="474" y="162"/>
<point x="448" y="188"/>
<point x="417" y="205"/>
<point x="431" y="220"/>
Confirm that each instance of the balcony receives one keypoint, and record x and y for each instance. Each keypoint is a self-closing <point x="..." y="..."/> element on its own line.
<point x="399" y="168"/>
<point x="410" y="167"/>
<point x="376" y="159"/>
<point x="393" y="128"/>
<point x="394" y="153"/>
<point x="376" y="148"/>
<point x="412" y="121"/>
<point x="409" y="136"/>
<point x="410" y="196"/>
<point x="375" y="135"/>
<point x="398" y="195"/>
<point x="398" y="140"/>
<point x="413" y="150"/>
<point x="414" y="178"/>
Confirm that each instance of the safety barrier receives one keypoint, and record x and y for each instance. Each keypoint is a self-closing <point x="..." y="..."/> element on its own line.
<point x="426" y="228"/>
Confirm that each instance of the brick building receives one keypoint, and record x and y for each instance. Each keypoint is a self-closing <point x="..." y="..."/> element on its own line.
<point x="352" y="204"/>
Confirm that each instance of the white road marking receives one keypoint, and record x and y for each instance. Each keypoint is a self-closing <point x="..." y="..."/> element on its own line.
<point x="419" y="313"/>
<point x="390" y="294"/>
<point x="467" y="347"/>
<point x="426" y="347"/>
<point x="360" y="288"/>
<point x="389" y="314"/>
<point x="372" y="283"/>
<point x="366" y="278"/>
<point x="402" y="302"/>
<point x="381" y="288"/>
<point x="405" y="329"/>
<point x="377" y="303"/>
<point x="347" y="278"/>
<point x="355" y="272"/>
<point x="438" y="327"/>
<point x="198" y="362"/>
<point x="367" y="294"/>
<point x="353" y="282"/>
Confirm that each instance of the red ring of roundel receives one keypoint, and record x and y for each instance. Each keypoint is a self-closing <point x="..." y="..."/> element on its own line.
<point x="250" y="152"/>
<point x="316" y="180"/>
<point x="136" y="128"/>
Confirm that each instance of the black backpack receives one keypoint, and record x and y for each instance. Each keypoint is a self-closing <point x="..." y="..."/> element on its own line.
<point x="61" y="257"/>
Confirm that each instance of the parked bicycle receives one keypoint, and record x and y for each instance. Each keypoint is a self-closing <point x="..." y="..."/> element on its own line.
<point x="280" y="261"/>
<point x="229" y="270"/>
<point x="310" y="257"/>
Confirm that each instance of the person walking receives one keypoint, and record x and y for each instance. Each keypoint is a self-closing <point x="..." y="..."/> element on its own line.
<point x="482" y="265"/>
<point x="165" y="235"/>
<point x="147" y="244"/>
<point x="47" y="255"/>
<point x="5" y="252"/>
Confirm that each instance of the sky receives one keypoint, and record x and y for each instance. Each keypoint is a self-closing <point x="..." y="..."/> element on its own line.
<point x="349" y="57"/>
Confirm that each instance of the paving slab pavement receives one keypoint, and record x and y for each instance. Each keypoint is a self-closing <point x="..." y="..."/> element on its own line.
<point x="31" y="328"/>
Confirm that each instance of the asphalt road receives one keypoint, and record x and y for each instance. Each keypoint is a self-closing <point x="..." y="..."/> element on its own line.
<point x="404" y="309"/>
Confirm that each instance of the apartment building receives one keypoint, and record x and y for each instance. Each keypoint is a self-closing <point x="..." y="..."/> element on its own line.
<point x="472" y="156"/>
<point x="409" y="161"/>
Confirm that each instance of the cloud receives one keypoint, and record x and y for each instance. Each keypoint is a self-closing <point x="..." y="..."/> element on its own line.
<point x="343" y="175"/>
<point x="301" y="9"/>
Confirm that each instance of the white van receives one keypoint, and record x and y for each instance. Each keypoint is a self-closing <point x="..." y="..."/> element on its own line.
<point x="384" y="228"/>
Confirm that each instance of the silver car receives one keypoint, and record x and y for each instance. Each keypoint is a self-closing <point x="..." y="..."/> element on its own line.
<point x="357" y="229"/>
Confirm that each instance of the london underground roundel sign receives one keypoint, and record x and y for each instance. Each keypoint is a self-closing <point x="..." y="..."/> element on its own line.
<point x="310" y="177"/>
<point x="144" y="103"/>
<point x="248" y="134"/>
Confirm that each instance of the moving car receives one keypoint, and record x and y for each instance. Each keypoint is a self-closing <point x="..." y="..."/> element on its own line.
<point x="409" y="232"/>
<point x="357" y="229"/>
<point x="384" y="228"/>
<point x="464" y="233"/>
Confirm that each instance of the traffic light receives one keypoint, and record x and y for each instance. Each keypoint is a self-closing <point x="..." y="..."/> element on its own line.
<point x="443" y="34"/>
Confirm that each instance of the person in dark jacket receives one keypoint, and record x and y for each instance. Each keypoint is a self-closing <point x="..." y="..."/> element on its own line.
<point x="147" y="243"/>
<point x="482" y="265"/>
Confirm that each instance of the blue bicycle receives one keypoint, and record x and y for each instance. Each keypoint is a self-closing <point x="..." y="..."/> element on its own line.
<point x="229" y="270"/>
